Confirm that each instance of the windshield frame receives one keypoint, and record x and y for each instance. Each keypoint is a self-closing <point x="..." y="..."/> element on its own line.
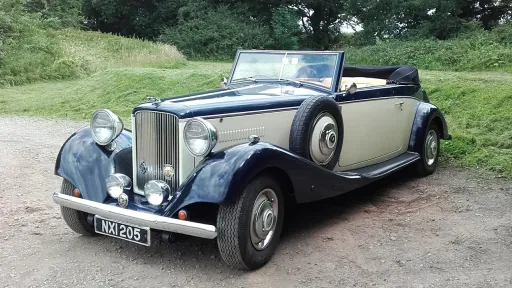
<point x="340" y="59"/>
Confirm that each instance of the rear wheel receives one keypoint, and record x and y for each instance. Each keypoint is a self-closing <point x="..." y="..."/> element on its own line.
<point x="429" y="154"/>
<point x="249" y="229"/>
<point x="76" y="220"/>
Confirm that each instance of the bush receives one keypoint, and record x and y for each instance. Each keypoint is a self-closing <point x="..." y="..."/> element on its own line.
<point x="57" y="13"/>
<point x="30" y="51"/>
<point x="206" y="32"/>
<point x="476" y="50"/>
<point x="26" y="53"/>
<point x="285" y="29"/>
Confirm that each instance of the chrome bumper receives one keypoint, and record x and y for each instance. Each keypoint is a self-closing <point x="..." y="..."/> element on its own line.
<point x="136" y="218"/>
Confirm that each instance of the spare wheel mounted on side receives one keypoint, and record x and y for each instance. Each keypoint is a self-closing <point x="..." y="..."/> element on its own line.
<point x="317" y="131"/>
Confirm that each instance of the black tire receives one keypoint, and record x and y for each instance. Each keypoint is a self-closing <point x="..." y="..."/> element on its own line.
<point x="76" y="220"/>
<point x="302" y="127"/>
<point x="233" y="224"/>
<point x="422" y="168"/>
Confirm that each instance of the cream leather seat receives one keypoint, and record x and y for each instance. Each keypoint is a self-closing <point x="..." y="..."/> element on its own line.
<point x="361" y="82"/>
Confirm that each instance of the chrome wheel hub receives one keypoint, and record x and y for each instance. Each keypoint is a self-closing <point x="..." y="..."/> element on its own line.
<point x="431" y="148"/>
<point x="264" y="219"/>
<point x="324" y="139"/>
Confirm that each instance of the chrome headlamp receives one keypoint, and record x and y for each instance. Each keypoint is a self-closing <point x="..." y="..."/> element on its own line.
<point x="105" y="126"/>
<point x="200" y="137"/>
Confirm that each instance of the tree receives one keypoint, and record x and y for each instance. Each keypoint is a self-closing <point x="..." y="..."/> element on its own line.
<point x="320" y="19"/>
<point x="426" y="18"/>
<point x="140" y="18"/>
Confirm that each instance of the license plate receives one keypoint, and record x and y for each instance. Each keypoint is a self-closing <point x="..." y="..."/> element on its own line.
<point x="139" y="235"/>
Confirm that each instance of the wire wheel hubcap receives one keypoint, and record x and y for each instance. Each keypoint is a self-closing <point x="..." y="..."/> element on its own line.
<point x="264" y="219"/>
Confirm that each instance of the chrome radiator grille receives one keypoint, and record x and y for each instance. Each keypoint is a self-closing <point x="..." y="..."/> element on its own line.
<point x="156" y="145"/>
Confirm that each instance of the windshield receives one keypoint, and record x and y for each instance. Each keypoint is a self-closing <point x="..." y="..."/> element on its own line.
<point x="313" y="68"/>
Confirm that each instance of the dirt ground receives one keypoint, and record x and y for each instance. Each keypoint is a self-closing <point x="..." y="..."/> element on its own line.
<point x="453" y="229"/>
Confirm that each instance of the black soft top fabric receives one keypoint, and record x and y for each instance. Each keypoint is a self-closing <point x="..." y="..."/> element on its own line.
<point x="392" y="74"/>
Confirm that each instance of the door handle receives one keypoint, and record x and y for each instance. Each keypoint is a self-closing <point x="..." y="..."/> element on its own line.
<point x="401" y="105"/>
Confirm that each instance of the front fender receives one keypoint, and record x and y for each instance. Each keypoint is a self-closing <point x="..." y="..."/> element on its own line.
<point x="86" y="164"/>
<point x="222" y="176"/>
<point x="425" y="114"/>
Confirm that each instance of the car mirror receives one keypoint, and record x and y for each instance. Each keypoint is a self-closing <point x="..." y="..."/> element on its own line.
<point x="351" y="88"/>
<point x="223" y="82"/>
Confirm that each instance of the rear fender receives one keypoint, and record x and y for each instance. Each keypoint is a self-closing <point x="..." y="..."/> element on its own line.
<point x="426" y="113"/>
<point x="86" y="164"/>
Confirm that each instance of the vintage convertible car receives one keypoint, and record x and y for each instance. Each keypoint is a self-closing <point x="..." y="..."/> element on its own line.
<point x="287" y="127"/>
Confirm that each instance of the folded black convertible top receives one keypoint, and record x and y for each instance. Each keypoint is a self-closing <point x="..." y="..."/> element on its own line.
<point x="392" y="74"/>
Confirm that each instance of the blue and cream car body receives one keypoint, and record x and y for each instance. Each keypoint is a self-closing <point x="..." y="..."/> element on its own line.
<point x="191" y="163"/>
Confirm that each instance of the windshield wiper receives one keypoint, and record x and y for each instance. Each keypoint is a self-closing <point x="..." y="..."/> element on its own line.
<point x="298" y="83"/>
<point x="255" y="80"/>
<point x="245" y="79"/>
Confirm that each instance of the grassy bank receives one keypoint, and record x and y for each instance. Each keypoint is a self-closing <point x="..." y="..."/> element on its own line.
<point x="476" y="105"/>
<point x="477" y="51"/>
<point x="117" y="89"/>
<point x="29" y="53"/>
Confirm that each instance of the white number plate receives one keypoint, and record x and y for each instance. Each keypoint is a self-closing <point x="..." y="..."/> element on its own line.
<point x="139" y="235"/>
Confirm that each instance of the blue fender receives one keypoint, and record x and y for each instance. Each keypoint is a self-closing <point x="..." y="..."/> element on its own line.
<point x="86" y="164"/>
<point x="425" y="114"/>
<point x="222" y="176"/>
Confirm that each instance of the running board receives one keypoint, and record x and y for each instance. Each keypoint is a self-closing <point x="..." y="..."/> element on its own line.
<point x="382" y="169"/>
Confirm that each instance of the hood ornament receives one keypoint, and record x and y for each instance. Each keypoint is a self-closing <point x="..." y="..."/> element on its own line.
<point x="153" y="100"/>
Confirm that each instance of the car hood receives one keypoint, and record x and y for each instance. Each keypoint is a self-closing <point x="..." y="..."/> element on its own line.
<point x="235" y="99"/>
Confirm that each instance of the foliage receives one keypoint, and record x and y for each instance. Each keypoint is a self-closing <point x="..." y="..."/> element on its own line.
<point x="57" y="13"/>
<point x="475" y="51"/>
<point x="285" y="29"/>
<point x="133" y="18"/>
<point x="203" y="31"/>
<point x="29" y="52"/>
<point x="26" y="53"/>
<point x="426" y="18"/>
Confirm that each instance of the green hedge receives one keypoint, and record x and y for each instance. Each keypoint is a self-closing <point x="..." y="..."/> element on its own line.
<point x="476" y="51"/>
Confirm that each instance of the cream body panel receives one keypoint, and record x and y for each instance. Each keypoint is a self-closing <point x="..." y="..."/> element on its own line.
<point x="406" y="120"/>
<point x="375" y="130"/>
<point x="187" y="161"/>
<point x="272" y="127"/>
<point x="370" y="134"/>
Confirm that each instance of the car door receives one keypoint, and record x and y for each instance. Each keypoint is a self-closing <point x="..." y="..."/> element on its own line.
<point x="405" y="110"/>
<point x="370" y="119"/>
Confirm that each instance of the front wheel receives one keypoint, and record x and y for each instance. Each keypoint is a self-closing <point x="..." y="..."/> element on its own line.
<point x="76" y="220"/>
<point x="249" y="229"/>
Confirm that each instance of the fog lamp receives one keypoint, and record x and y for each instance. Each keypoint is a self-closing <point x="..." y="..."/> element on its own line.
<point x="156" y="191"/>
<point x="117" y="183"/>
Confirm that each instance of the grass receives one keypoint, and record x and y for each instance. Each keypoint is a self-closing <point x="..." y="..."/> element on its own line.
<point x="476" y="105"/>
<point x="33" y="54"/>
<point x="118" y="89"/>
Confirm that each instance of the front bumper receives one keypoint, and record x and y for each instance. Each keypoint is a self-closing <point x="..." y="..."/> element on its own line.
<point x="136" y="218"/>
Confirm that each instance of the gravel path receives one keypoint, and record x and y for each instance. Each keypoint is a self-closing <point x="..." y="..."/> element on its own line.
<point x="453" y="229"/>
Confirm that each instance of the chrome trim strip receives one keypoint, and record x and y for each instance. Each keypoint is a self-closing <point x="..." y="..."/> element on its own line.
<point x="136" y="218"/>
